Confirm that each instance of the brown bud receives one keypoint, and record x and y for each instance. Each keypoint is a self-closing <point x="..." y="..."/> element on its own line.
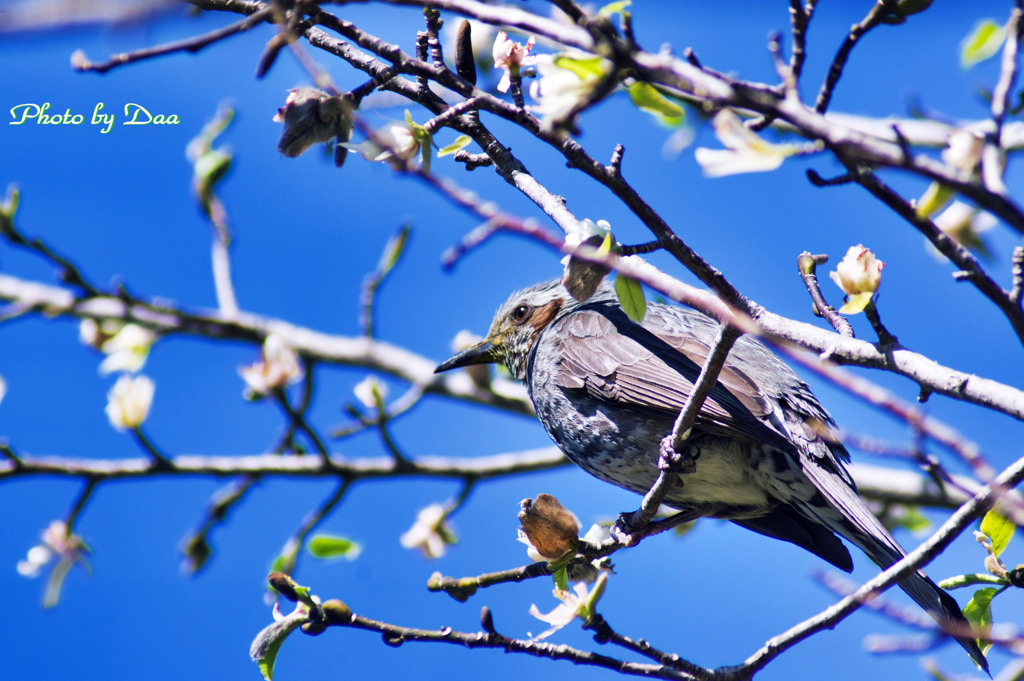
<point x="487" y="620"/>
<point x="310" y="117"/>
<point x="995" y="566"/>
<point x="313" y="628"/>
<point x="284" y="585"/>
<point x="336" y="612"/>
<point x="550" y="527"/>
<point x="581" y="278"/>
<point x="465" y="64"/>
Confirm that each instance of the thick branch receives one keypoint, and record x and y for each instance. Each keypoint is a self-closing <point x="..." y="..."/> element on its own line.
<point x="343" y="350"/>
<point x="495" y="465"/>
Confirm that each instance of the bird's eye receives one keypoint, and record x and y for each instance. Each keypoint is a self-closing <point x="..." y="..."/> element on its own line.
<point x="522" y="313"/>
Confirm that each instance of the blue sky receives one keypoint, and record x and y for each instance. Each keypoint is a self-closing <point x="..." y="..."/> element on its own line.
<point x="119" y="204"/>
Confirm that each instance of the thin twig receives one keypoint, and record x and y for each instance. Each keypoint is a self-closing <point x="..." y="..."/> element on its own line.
<point x="81" y="63"/>
<point x="949" y="247"/>
<point x="835" y="72"/>
<point x="395" y="635"/>
<point x="159" y="461"/>
<point x="807" y="264"/>
<point x="290" y="551"/>
<point x="799" y="17"/>
<point x="76" y="508"/>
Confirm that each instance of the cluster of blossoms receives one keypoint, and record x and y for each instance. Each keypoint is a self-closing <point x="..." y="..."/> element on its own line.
<point x="127" y="348"/>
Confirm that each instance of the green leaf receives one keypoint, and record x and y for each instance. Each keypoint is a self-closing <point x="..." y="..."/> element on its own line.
<point x="212" y="166"/>
<point x="587" y="68"/>
<point x="461" y="142"/>
<point x="279" y="563"/>
<point x="934" y="199"/>
<point x="856" y="302"/>
<point x="981" y="43"/>
<point x="913" y="520"/>
<point x="614" y="8"/>
<point x="999" y="529"/>
<point x="978" y="612"/>
<point x="326" y="546"/>
<point x="590" y="607"/>
<point x="393" y="250"/>
<point x="960" y="581"/>
<point x="647" y="98"/>
<point x="631" y="297"/>
<point x="10" y="205"/>
<point x="267" y="643"/>
<point x="562" y="577"/>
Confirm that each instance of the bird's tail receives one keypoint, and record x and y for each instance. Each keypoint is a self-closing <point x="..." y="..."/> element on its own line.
<point x="859" y="526"/>
<point x="884" y="551"/>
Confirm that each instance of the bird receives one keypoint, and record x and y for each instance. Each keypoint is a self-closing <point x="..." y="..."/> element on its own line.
<point x="764" y="450"/>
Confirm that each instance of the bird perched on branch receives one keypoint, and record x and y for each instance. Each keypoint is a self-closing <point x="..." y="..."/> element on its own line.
<point x="608" y="390"/>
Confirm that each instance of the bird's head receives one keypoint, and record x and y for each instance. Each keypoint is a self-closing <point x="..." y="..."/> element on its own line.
<point x="515" y="329"/>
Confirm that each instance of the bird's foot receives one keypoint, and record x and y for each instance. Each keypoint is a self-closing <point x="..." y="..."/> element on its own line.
<point x="677" y="462"/>
<point x="623" y="530"/>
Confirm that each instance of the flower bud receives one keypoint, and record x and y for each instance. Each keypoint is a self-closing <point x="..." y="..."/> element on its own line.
<point x="858" y="275"/>
<point x="310" y="117"/>
<point x="548" y="528"/>
<point x="336" y="612"/>
<point x="465" y="62"/>
<point x="129" y="400"/>
<point x="284" y="585"/>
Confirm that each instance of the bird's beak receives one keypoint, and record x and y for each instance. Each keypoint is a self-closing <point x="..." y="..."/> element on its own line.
<point x="481" y="353"/>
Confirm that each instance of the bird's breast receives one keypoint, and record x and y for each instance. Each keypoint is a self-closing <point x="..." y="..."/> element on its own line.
<point x="621" y="446"/>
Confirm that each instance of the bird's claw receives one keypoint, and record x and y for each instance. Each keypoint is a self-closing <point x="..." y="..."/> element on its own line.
<point x="671" y="460"/>
<point x="623" y="531"/>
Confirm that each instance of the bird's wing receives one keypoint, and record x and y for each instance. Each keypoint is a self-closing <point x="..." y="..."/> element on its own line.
<point x="620" y="362"/>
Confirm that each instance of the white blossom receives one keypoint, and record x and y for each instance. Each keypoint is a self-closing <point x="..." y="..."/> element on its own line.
<point x="431" y="533"/>
<point x="579" y="602"/>
<point x="128" y="402"/>
<point x="965" y="224"/>
<point x="394" y="143"/>
<point x="964" y="150"/>
<point x="510" y="57"/>
<point x="371" y="390"/>
<point x="310" y="116"/>
<point x="858" y="275"/>
<point x="559" y="90"/>
<point x="745" y="151"/>
<point x="278" y="367"/>
<point x="63" y="550"/>
<point x="126" y="350"/>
